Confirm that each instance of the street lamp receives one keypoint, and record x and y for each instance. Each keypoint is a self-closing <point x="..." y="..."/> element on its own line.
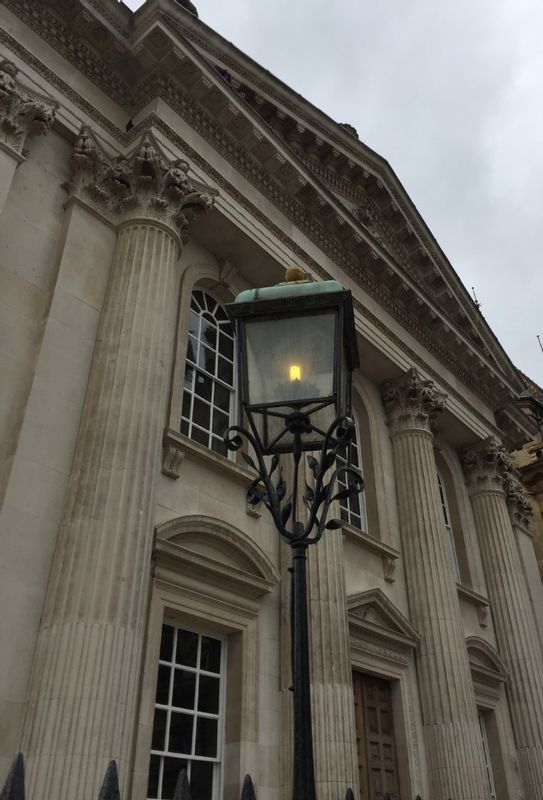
<point x="296" y="350"/>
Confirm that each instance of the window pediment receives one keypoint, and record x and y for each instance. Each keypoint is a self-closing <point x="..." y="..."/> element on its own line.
<point x="486" y="665"/>
<point x="202" y="550"/>
<point x="372" y="615"/>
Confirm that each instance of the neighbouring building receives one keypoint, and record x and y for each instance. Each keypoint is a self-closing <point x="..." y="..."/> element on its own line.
<point x="149" y="171"/>
<point x="529" y="463"/>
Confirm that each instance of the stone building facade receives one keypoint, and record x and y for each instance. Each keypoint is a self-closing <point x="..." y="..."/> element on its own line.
<point x="529" y="463"/>
<point x="149" y="171"/>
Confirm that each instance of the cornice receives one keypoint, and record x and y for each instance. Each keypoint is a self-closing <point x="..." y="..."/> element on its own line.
<point x="114" y="19"/>
<point x="183" y="104"/>
<point x="330" y="131"/>
<point x="63" y="88"/>
<point x="397" y="211"/>
<point x="312" y="227"/>
<point x="198" y="34"/>
<point x="70" y="46"/>
<point x="349" y="264"/>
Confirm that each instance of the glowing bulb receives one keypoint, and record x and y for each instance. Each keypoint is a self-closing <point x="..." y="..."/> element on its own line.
<point x="295" y="372"/>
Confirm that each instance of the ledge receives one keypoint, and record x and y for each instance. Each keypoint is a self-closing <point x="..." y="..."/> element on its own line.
<point x="481" y="603"/>
<point x="12" y="152"/>
<point x="371" y="542"/>
<point x="175" y="446"/>
<point x="389" y="554"/>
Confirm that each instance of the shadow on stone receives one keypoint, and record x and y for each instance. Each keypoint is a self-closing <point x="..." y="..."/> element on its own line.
<point x="248" y="789"/>
<point x="110" y="786"/>
<point x="14" y="787"/>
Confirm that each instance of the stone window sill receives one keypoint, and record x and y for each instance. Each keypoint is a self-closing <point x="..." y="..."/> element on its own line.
<point x="481" y="603"/>
<point x="176" y="446"/>
<point x="389" y="554"/>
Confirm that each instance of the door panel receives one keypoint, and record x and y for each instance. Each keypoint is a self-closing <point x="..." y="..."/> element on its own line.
<point x="376" y="747"/>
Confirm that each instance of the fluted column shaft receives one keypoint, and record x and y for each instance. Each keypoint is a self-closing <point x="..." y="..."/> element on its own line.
<point x="449" y="715"/>
<point x="489" y="474"/>
<point x="84" y="690"/>
<point x="336" y="766"/>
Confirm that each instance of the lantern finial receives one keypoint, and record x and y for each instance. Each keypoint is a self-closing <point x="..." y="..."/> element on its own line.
<point x="295" y="274"/>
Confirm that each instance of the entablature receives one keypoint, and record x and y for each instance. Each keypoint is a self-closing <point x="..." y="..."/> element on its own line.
<point x="295" y="157"/>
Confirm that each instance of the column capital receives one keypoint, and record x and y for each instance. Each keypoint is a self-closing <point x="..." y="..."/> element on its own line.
<point x="486" y="465"/>
<point x="22" y="113"/>
<point x="520" y="508"/>
<point x="412" y="403"/>
<point x="144" y="184"/>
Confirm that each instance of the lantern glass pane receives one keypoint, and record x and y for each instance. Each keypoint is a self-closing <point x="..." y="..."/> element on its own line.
<point x="290" y="360"/>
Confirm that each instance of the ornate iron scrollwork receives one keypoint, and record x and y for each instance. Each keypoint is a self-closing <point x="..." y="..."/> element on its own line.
<point x="269" y="486"/>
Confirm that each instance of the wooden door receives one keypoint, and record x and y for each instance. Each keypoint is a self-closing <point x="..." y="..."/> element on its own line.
<point x="377" y="764"/>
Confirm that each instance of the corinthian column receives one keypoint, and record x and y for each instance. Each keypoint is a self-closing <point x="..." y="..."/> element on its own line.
<point x="490" y="475"/>
<point x="449" y="715"/>
<point x="331" y="678"/>
<point x="84" y="688"/>
<point x="21" y="115"/>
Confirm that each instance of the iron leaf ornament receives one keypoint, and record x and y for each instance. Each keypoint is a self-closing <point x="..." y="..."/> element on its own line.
<point x="269" y="487"/>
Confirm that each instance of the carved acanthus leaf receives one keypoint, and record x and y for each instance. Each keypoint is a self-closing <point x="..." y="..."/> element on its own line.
<point x="520" y="508"/>
<point x="411" y="402"/>
<point x="143" y="183"/>
<point x="21" y="114"/>
<point x="487" y="465"/>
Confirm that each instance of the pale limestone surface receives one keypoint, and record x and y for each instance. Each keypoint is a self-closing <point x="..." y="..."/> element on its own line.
<point x="487" y="469"/>
<point x="129" y="546"/>
<point x="448" y="706"/>
<point x="8" y="164"/>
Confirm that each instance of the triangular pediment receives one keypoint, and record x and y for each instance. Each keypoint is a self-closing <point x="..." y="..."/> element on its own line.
<point x="332" y="187"/>
<point x="372" y="614"/>
<point x="348" y="197"/>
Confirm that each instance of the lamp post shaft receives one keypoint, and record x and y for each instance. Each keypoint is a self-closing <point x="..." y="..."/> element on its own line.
<point x="303" y="785"/>
<point x="297" y="348"/>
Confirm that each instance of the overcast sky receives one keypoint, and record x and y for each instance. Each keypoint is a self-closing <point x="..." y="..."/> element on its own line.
<point x="450" y="92"/>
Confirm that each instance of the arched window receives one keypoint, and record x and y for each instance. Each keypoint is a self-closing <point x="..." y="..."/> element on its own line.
<point x="448" y="527"/>
<point x="209" y="373"/>
<point x="353" y="509"/>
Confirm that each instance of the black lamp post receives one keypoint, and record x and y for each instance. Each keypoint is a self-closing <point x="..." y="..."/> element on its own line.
<point x="296" y="351"/>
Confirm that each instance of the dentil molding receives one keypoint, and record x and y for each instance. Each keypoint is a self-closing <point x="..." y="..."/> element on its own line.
<point x="359" y="275"/>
